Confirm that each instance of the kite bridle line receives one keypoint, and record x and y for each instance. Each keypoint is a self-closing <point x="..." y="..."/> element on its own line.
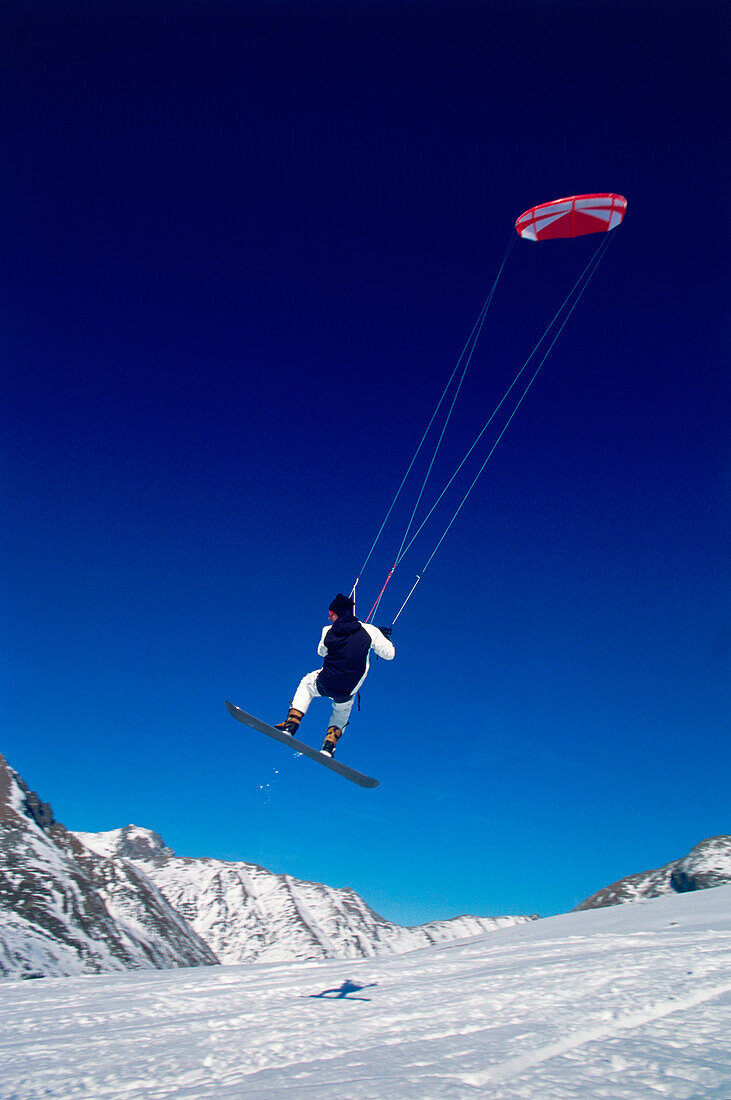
<point x="466" y="354"/>
<point x="468" y="350"/>
<point x="576" y="293"/>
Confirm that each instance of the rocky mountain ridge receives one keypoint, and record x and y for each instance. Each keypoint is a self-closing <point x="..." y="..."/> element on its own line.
<point x="79" y="903"/>
<point x="706" y="865"/>
<point x="73" y="903"/>
<point x="246" y="913"/>
<point x="66" y="910"/>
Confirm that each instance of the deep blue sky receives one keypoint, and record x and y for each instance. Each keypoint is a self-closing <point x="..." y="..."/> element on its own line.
<point x="243" y="246"/>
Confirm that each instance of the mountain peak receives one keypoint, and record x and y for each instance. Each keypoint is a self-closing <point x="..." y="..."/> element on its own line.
<point x="129" y="842"/>
<point x="706" y="865"/>
<point x="65" y="909"/>
<point x="17" y="800"/>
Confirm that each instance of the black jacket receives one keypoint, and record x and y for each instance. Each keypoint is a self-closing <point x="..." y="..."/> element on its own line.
<point x="347" y="643"/>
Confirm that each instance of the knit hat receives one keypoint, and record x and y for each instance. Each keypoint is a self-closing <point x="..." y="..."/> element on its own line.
<point x="341" y="605"/>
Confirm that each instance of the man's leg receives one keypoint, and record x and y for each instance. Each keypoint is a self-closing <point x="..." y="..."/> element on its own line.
<point x="338" y="721"/>
<point x="303" y="696"/>
<point x="306" y="692"/>
<point x="341" y="713"/>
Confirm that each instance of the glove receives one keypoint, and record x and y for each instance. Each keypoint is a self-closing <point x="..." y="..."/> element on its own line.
<point x="387" y="631"/>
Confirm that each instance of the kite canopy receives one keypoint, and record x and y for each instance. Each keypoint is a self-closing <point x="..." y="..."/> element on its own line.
<point x="572" y="217"/>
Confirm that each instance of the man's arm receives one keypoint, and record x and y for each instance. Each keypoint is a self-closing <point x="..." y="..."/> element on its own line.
<point x="380" y="644"/>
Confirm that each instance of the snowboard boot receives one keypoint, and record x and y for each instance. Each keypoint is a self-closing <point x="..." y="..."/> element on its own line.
<point x="291" y="723"/>
<point x="332" y="737"/>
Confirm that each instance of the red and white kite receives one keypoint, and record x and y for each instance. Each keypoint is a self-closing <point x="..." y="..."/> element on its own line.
<point x="572" y="217"/>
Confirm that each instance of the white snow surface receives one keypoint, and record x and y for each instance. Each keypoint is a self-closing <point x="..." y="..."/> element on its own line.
<point x="627" y="1001"/>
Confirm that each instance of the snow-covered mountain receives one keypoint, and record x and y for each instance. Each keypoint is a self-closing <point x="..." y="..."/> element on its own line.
<point x="706" y="865"/>
<point x="80" y="903"/>
<point x="246" y="913"/>
<point x="65" y="910"/>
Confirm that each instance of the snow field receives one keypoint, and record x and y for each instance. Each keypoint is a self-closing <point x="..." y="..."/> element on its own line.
<point x="632" y="1001"/>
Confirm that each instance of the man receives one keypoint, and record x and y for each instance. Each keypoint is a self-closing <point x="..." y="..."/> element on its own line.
<point x="346" y="647"/>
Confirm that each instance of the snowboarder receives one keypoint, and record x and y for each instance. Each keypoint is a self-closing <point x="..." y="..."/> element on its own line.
<point x="346" y="647"/>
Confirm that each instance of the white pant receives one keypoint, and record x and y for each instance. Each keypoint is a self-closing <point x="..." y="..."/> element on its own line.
<point x="307" y="691"/>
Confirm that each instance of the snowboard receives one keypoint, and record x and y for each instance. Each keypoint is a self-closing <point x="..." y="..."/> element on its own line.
<point x="300" y="746"/>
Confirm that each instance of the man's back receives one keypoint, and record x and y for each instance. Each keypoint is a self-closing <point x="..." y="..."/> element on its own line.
<point x="345" y="647"/>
